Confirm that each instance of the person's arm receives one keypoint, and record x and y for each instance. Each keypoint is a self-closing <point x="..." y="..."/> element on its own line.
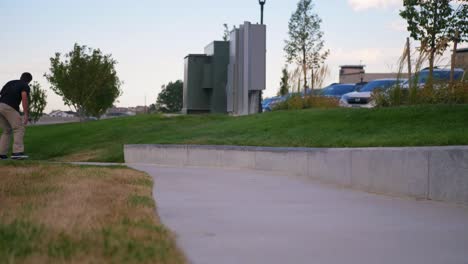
<point x="24" y="100"/>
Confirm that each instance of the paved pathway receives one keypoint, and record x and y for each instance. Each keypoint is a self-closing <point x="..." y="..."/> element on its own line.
<point x="242" y="217"/>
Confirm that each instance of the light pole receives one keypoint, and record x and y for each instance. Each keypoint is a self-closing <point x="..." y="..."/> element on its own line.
<point x="262" y="5"/>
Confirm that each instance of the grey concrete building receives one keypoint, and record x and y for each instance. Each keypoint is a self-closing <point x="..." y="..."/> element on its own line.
<point x="230" y="76"/>
<point x="247" y="69"/>
<point x="205" y="80"/>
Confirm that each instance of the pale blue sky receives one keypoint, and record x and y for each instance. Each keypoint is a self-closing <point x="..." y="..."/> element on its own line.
<point x="150" y="38"/>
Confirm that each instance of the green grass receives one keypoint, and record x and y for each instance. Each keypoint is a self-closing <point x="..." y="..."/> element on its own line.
<point x="405" y="126"/>
<point x="18" y="239"/>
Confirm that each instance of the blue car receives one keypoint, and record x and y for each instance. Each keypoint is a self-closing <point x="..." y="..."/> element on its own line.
<point x="269" y="103"/>
<point x="440" y="75"/>
<point x="337" y="90"/>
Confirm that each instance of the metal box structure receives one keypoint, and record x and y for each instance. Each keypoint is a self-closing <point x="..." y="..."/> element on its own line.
<point x="247" y="69"/>
<point x="205" y="80"/>
<point x="230" y="76"/>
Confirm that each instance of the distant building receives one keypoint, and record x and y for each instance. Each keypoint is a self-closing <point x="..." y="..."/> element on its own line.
<point x="117" y="110"/>
<point x="60" y="113"/>
<point x="138" y="109"/>
<point x="120" y="111"/>
<point x="357" y="74"/>
<point x="461" y="60"/>
<point x="127" y="110"/>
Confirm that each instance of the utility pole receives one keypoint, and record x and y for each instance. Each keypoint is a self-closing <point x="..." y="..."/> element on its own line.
<point x="361" y="72"/>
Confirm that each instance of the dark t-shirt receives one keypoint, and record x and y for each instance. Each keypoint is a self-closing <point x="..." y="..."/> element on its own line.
<point x="11" y="93"/>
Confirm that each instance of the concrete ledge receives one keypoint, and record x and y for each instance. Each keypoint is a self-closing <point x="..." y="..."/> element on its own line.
<point x="436" y="173"/>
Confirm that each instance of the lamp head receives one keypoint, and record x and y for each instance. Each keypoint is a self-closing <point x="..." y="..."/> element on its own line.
<point x="261" y="2"/>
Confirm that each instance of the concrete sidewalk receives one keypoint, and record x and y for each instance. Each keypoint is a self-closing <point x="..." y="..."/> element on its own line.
<point x="241" y="216"/>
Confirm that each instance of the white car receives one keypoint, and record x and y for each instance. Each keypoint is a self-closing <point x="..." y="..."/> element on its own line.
<point x="363" y="97"/>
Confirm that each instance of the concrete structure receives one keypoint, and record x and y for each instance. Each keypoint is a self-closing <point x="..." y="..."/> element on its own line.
<point x="434" y="173"/>
<point x="244" y="216"/>
<point x="230" y="76"/>
<point x="356" y="74"/>
<point x="205" y="80"/>
<point x="462" y="60"/>
<point x="247" y="69"/>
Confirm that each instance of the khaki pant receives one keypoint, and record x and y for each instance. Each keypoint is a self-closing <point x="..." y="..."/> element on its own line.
<point x="11" y="123"/>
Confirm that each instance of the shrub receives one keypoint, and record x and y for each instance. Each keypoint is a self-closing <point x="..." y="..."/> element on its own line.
<point x="321" y="102"/>
<point x="298" y="102"/>
<point x="456" y="93"/>
<point x="295" y="103"/>
<point x="381" y="98"/>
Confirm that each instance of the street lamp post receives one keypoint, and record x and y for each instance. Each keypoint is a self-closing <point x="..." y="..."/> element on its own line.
<point x="262" y="5"/>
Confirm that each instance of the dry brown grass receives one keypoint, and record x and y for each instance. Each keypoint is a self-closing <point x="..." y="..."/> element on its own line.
<point x="73" y="214"/>
<point x="83" y="156"/>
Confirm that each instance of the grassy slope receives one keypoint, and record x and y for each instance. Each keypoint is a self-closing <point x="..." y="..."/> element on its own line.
<point x="405" y="126"/>
<point x="71" y="214"/>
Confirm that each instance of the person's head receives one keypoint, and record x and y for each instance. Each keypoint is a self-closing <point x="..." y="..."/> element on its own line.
<point x="26" y="77"/>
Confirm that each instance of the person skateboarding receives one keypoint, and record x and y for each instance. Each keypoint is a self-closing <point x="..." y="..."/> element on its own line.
<point x="12" y="95"/>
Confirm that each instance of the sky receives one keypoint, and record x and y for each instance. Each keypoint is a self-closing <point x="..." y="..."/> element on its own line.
<point x="150" y="38"/>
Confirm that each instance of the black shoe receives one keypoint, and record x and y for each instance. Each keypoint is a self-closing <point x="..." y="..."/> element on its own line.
<point x="19" y="156"/>
<point x="3" y="157"/>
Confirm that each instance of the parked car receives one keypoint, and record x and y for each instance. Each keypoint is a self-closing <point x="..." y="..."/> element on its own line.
<point x="362" y="98"/>
<point x="337" y="90"/>
<point x="440" y="75"/>
<point x="360" y="85"/>
<point x="269" y="103"/>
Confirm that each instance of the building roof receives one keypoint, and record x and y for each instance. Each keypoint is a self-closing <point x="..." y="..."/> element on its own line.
<point x="196" y="55"/>
<point x="353" y="66"/>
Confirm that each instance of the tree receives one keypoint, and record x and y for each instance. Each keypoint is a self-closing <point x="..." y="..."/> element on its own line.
<point x="86" y="79"/>
<point x="226" y="32"/>
<point x="284" y="84"/>
<point x="37" y="102"/>
<point x="152" y="108"/>
<point x="170" y="98"/>
<point x="434" y="23"/>
<point x="305" y="43"/>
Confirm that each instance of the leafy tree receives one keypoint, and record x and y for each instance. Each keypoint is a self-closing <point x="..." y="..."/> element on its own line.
<point x="86" y="79"/>
<point x="170" y="98"/>
<point x="284" y="84"/>
<point x="434" y="23"/>
<point x="305" y="44"/>
<point x="37" y="102"/>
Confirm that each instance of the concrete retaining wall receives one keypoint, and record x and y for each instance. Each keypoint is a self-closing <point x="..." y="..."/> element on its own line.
<point x="436" y="173"/>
